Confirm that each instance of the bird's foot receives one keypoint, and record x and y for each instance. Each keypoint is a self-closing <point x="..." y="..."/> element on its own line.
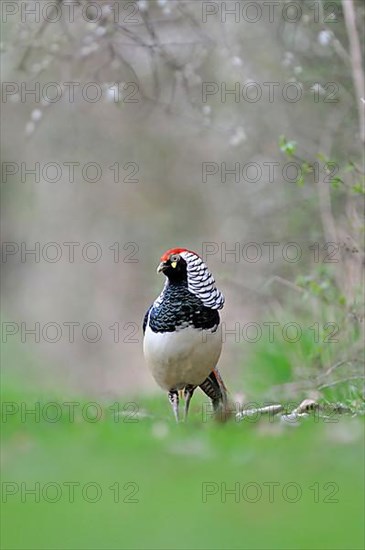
<point x="188" y="394"/>
<point x="174" y="400"/>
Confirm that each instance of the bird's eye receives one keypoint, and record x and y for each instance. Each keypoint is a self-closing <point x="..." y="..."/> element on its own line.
<point x="174" y="258"/>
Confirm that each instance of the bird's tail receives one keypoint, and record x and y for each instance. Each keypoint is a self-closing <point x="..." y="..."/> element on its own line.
<point x="214" y="387"/>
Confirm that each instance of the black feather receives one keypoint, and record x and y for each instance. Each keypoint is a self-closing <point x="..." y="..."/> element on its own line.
<point x="180" y="308"/>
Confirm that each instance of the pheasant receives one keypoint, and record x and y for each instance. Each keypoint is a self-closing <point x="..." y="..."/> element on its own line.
<point x="182" y="338"/>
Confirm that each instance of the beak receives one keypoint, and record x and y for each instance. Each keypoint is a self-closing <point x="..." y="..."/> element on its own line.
<point x="161" y="267"/>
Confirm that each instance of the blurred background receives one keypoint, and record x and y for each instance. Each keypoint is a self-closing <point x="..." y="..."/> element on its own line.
<point x="234" y="129"/>
<point x="144" y="92"/>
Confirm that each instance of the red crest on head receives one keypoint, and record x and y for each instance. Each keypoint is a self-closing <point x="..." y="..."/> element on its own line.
<point x="168" y="253"/>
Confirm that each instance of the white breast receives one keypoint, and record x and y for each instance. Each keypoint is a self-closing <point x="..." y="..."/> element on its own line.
<point x="183" y="357"/>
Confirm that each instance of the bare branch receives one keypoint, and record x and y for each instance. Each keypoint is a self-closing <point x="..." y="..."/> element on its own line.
<point x="356" y="61"/>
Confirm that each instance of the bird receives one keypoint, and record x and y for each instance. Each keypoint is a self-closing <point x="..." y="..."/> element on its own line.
<point x="182" y="338"/>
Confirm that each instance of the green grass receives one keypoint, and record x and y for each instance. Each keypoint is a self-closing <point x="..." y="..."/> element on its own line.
<point x="168" y="465"/>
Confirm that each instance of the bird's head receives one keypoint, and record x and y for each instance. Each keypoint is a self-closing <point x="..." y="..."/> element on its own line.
<point x="181" y="264"/>
<point x="174" y="265"/>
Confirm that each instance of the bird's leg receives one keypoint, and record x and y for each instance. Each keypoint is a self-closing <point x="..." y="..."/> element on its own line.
<point x="174" y="400"/>
<point x="188" y="394"/>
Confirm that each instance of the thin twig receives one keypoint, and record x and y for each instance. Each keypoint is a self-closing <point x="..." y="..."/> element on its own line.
<point x="336" y="366"/>
<point x="341" y="381"/>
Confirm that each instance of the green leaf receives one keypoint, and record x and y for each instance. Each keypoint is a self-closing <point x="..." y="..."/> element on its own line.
<point x="358" y="188"/>
<point x="336" y="182"/>
<point x="287" y="147"/>
<point x="350" y="167"/>
<point x="322" y="157"/>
